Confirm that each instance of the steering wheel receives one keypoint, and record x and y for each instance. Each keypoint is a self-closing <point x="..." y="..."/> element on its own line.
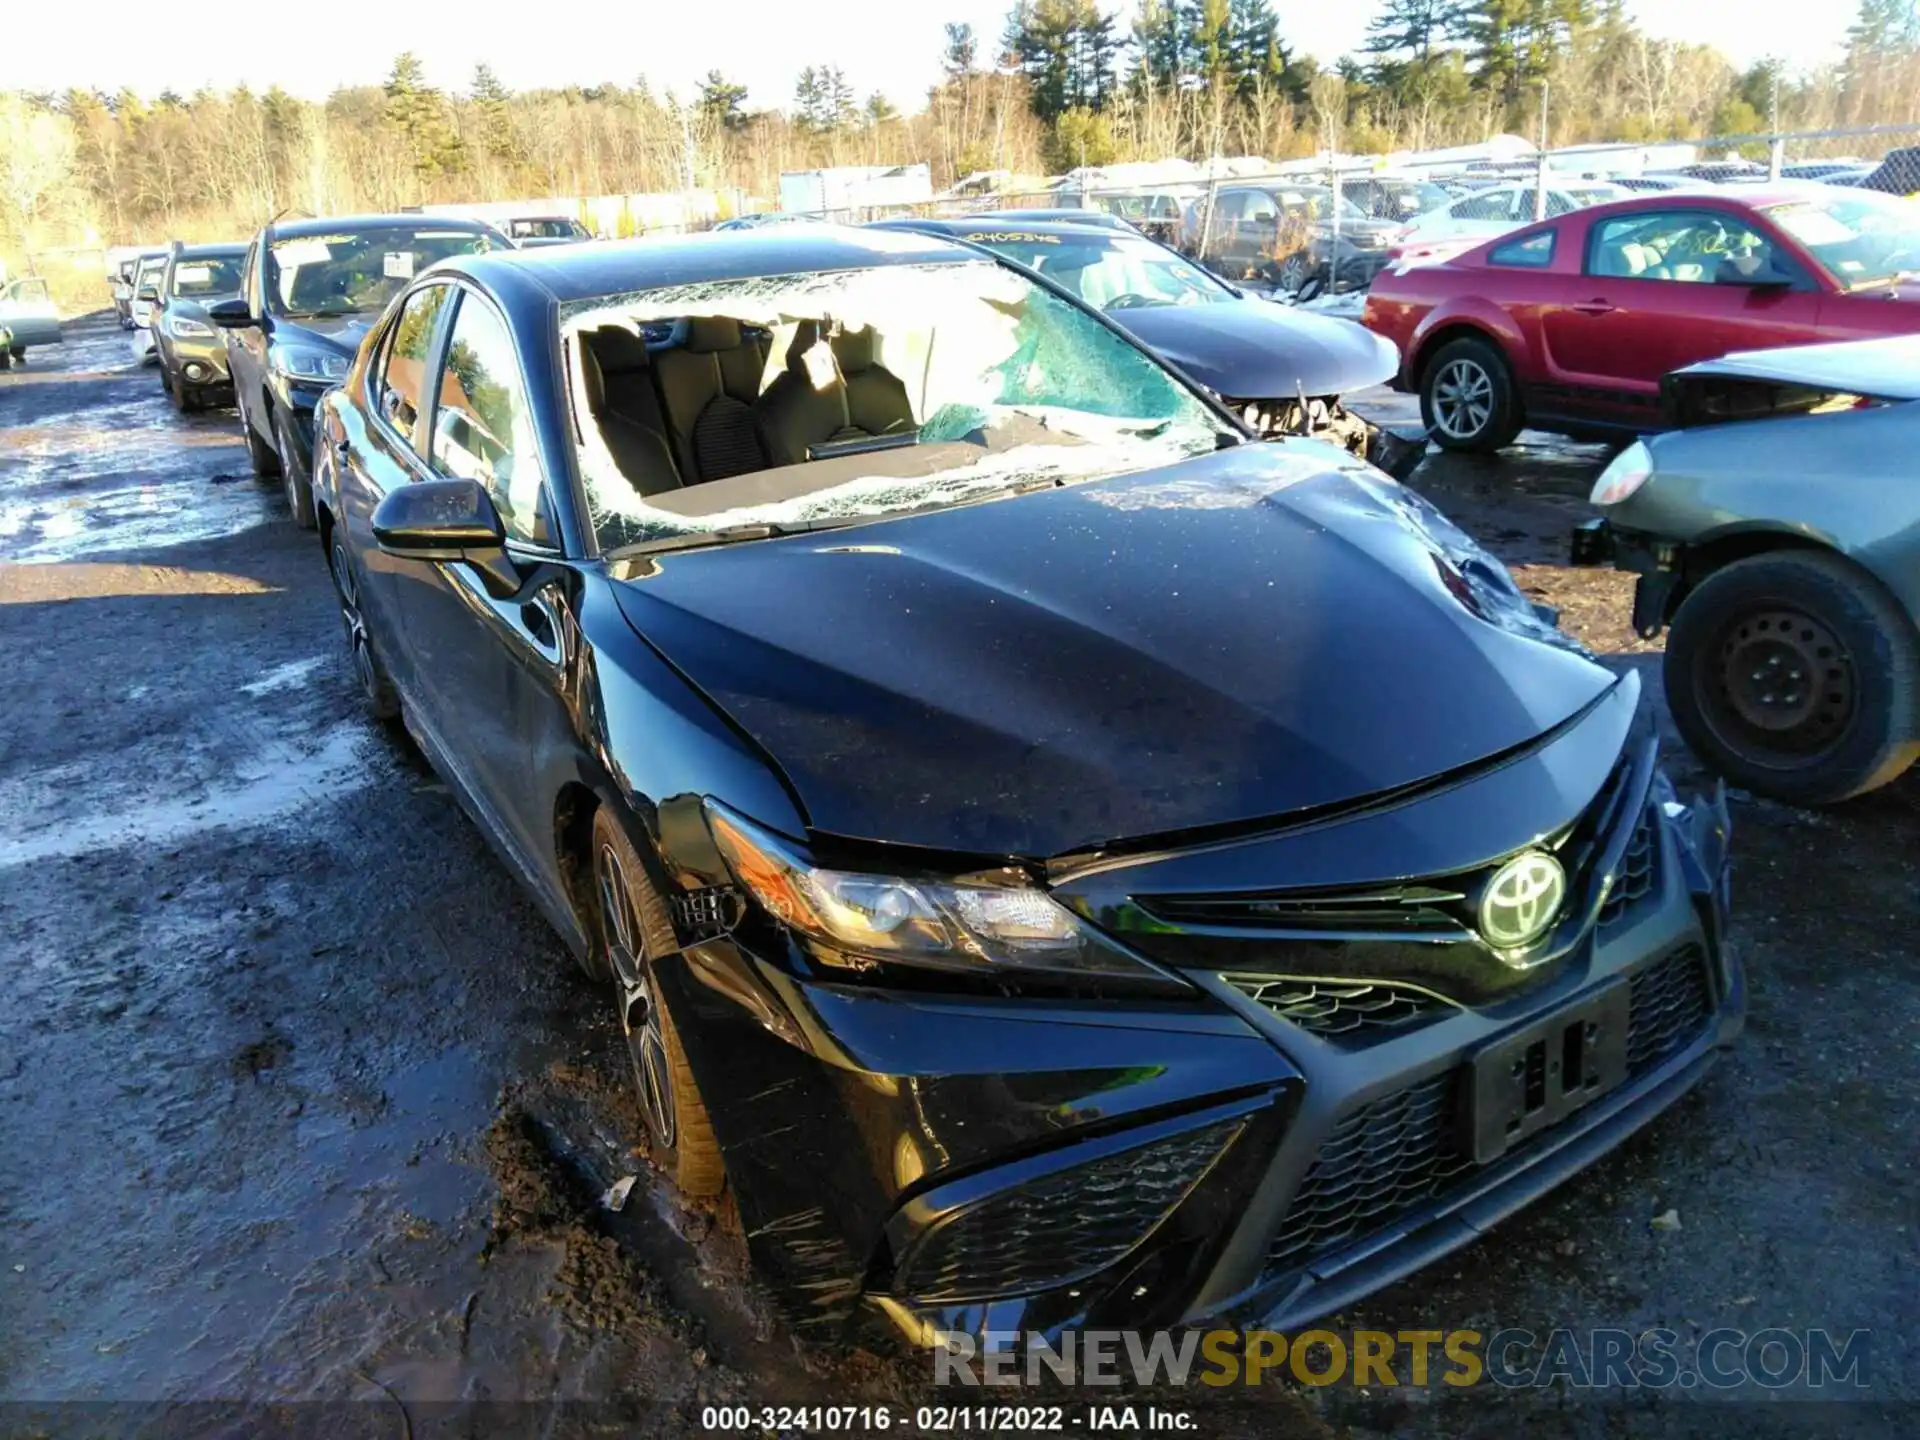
<point x="1132" y="300"/>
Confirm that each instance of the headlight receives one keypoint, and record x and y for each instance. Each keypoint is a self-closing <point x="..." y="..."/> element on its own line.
<point x="184" y="327"/>
<point x="301" y="363"/>
<point x="1630" y="469"/>
<point x="977" y="924"/>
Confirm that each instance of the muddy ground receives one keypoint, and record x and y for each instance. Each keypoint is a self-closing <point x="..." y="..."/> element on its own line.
<point x="301" y="1102"/>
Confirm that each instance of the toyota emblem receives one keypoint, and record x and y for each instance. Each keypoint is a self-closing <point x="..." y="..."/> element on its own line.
<point x="1522" y="900"/>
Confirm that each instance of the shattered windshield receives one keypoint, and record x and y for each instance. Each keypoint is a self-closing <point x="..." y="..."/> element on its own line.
<point x="1110" y="272"/>
<point x="822" y="399"/>
<point x="1860" y="238"/>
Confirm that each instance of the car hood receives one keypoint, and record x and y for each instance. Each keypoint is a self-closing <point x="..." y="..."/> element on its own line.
<point x="1257" y="350"/>
<point x="1887" y="369"/>
<point x="334" y="332"/>
<point x="1253" y="634"/>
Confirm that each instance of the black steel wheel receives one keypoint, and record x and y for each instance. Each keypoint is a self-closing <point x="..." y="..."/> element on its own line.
<point x="1797" y="676"/>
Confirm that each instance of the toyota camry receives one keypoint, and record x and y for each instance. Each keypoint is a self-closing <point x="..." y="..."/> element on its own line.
<point x="1053" y="858"/>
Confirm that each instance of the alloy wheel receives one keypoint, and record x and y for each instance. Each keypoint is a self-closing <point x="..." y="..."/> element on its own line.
<point x="347" y="585"/>
<point x="1781" y="682"/>
<point x="1462" y="399"/>
<point x="634" y="997"/>
<point x="1293" y="274"/>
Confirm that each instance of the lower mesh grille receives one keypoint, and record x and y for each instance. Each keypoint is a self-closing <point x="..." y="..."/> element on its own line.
<point x="1062" y="1226"/>
<point x="1639" y="868"/>
<point x="1671" y="1003"/>
<point x="1407" y="1149"/>
<point x="1340" y="1009"/>
<point x="1383" y="1159"/>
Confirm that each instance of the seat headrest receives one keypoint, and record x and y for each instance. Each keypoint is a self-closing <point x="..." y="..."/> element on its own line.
<point x="620" y="352"/>
<point x="806" y="334"/>
<point x="854" y="350"/>
<point x="709" y="334"/>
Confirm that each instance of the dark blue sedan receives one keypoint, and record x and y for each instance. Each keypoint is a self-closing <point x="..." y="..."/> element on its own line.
<point x="1055" y="859"/>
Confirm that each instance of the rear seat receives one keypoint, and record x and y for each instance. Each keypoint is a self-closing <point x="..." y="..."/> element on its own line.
<point x="707" y="388"/>
<point x="862" y="400"/>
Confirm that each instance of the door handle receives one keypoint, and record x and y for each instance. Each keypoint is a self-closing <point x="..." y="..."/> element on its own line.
<point x="1596" y="307"/>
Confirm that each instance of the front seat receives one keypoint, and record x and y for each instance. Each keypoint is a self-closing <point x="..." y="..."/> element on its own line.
<point x="861" y="400"/>
<point x="619" y="395"/>
<point x="707" y="388"/>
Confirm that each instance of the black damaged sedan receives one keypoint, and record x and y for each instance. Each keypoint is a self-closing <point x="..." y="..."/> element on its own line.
<point x="1057" y="862"/>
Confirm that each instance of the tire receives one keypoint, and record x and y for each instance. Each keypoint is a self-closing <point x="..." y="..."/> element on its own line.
<point x="294" y="478"/>
<point x="383" y="701"/>
<point x="264" y="458"/>
<point x="630" y="926"/>
<point x="1746" y="644"/>
<point x="1467" y="385"/>
<point x="19" y="353"/>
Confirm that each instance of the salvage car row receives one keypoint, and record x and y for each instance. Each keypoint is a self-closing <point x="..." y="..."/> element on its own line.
<point x="873" y="655"/>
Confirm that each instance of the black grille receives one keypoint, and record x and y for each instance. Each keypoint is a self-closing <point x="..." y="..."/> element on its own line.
<point x="1062" y="1226"/>
<point x="1350" y="1009"/>
<point x="1395" y="908"/>
<point x="1671" y="1003"/>
<point x="1639" y="869"/>
<point x="1406" y="1149"/>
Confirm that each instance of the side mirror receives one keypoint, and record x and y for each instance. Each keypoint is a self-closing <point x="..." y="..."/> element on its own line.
<point x="231" y="314"/>
<point x="149" y="294"/>
<point x="447" y="522"/>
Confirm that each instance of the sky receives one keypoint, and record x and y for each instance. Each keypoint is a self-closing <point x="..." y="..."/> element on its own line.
<point x="892" y="47"/>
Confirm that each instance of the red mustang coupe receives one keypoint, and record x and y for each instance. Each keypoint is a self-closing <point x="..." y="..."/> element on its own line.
<point x="1570" y="324"/>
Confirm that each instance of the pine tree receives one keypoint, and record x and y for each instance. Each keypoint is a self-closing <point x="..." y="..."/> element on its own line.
<point x="723" y="102"/>
<point x="962" y="52"/>
<point x="493" y="111"/>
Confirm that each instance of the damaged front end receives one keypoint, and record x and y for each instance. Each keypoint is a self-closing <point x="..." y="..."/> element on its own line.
<point x="1323" y="417"/>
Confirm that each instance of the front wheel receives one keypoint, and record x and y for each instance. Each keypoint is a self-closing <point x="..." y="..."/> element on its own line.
<point x="632" y="931"/>
<point x="383" y="701"/>
<point x="1797" y="676"/>
<point x="294" y="478"/>
<point x="1467" y="398"/>
<point x="262" y="456"/>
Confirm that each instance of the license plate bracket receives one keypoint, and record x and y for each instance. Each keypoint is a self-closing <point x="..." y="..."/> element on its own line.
<point x="1539" y="1075"/>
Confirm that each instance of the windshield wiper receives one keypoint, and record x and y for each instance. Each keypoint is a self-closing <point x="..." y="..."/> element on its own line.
<point x="731" y="534"/>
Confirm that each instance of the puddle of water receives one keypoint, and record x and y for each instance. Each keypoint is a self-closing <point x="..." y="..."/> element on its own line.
<point x="266" y="790"/>
<point x="44" y="530"/>
<point x="290" y="676"/>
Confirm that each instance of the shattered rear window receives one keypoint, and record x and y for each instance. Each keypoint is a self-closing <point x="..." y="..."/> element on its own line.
<point x="989" y="383"/>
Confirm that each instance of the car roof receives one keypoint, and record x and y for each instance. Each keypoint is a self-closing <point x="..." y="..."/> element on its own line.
<point x="1741" y="197"/>
<point x="226" y="248"/>
<point x="969" y="226"/>
<point x="337" y="224"/>
<point x="613" y="268"/>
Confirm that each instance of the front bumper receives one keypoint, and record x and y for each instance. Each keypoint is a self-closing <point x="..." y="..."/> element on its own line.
<point x="959" y="1165"/>
<point x="199" y="362"/>
<point x="1658" y="562"/>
